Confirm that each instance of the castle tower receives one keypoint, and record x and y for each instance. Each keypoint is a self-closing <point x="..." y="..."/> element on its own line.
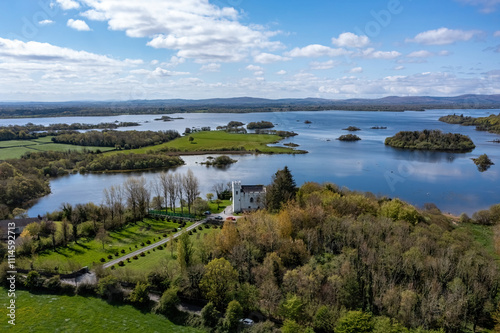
<point x="236" y="192"/>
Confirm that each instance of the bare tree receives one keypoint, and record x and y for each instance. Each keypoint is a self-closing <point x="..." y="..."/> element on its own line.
<point x="191" y="188"/>
<point x="171" y="184"/>
<point x="179" y="189"/>
<point x="137" y="197"/>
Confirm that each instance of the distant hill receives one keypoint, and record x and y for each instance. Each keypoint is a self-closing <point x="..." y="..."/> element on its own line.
<point x="244" y="104"/>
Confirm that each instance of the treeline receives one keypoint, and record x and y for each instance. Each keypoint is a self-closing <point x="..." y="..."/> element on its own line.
<point x="283" y="134"/>
<point x="349" y="137"/>
<point x="260" y="124"/>
<point x="490" y="123"/>
<point x="117" y="139"/>
<point x="431" y="140"/>
<point x="32" y="131"/>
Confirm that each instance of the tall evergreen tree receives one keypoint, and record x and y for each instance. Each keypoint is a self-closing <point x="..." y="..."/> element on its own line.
<point x="281" y="190"/>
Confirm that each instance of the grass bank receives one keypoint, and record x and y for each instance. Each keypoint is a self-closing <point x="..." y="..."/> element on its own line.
<point x="55" y="313"/>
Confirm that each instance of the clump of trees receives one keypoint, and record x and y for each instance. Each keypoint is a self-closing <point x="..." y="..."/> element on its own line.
<point x="483" y="162"/>
<point x="431" y="140"/>
<point x="490" y="123"/>
<point x="260" y="124"/>
<point x="352" y="129"/>
<point x="220" y="161"/>
<point x="349" y="137"/>
<point x="118" y="139"/>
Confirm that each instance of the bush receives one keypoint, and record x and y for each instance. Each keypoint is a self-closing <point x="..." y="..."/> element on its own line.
<point x="109" y="288"/>
<point x="117" y="254"/>
<point x="122" y="251"/>
<point x="86" y="289"/>
<point x="110" y="256"/>
<point x="210" y="315"/>
<point x="53" y="284"/>
<point x="121" y="263"/>
<point x="148" y="242"/>
<point x="355" y="321"/>
<point x="168" y="302"/>
<point x="142" y="244"/>
<point x="33" y="280"/>
<point x="142" y="254"/>
<point x="103" y="260"/>
<point x="135" y="257"/>
<point x="140" y="294"/>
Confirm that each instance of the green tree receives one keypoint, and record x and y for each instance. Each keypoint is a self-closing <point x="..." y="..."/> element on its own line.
<point x="355" y="322"/>
<point x="281" y="190"/>
<point x="324" y="320"/>
<point x="140" y="294"/>
<point x="292" y="307"/>
<point x="184" y="251"/>
<point x="210" y="196"/>
<point x="219" y="281"/>
<point x="234" y="313"/>
<point x="291" y="326"/>
<point x="168" y="302"/>
<point x="33" y="280"/>
<point x="209" y="315"/>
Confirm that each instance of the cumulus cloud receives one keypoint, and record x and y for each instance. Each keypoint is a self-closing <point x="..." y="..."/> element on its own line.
<point x="78" y="25"/>
<point x="45" y="22"/>
<point x="94" y="15"/>
<point x="356" y="70"/>
<point x="319" y="65"/>
<point x="349" y="39"/>
<point x="485" y="6"/>
<point x="281" y="72"/>
<point x="267" y="58"/>
<point x="254" y="68"/>
<point x="212" y="67"/>
<point x="68" y="4"/>
<point x="443" y="36"/>
<point x="399" y="68"/>
<point x="158" y="72"/>
<point x="316" y="50"/>
<point x="371" y="53"/>
<point x="196" y="29"/>
<point x="420" y="54"/>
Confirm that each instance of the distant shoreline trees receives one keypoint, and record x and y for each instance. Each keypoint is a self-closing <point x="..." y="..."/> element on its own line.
<point x="431" y="140"/>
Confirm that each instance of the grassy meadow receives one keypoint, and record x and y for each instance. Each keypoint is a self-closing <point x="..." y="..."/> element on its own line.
<point x="55" y="313"/>
<point x="16" y="148"/>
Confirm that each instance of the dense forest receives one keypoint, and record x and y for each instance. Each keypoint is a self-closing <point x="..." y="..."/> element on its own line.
<point x="117" y="139"/>
<point x="32" y="131"/>
<point x="490" y="123"/>
<point x="431" y="140"/>
<point x="318" y="259"/>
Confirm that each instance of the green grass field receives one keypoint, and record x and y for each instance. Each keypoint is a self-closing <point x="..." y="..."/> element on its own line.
<point x="159" y="257"/>
<point x="218" y="141"/>
<point x="53" y="313"/>
<point x="16" y="148"/>
<point x="85" y="252"/>
<point x="483" y="235"/>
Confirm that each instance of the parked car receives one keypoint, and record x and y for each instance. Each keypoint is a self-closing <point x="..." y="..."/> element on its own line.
<point x="207" y="212"/>
<point x="218" y="217"/>
<point x="231" y="218"/>
<point x="246" y="321"/>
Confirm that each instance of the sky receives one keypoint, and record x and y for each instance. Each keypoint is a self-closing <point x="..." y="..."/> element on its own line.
<point x="67" y="50"/>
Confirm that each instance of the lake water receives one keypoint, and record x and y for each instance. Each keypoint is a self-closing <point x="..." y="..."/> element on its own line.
<point x="450" y="180"/>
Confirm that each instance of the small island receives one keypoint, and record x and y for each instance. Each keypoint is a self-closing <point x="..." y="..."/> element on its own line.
<point x="352" y="129"/>
<point x="349" y="137"/>
<point x="260" y="125"/>
<point x="378" y="127"/>
<point x="167" y="118"/>
<point x="490" y="124"/>
<point x="483" y="162"/>
<point x="220" y="161"/>
<point x="431" y="140"/>
<point x="307" y="122"/>
<point x="291" y="144"/>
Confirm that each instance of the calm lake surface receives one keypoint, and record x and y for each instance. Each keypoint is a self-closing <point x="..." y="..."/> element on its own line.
<point x="450" y="180"/>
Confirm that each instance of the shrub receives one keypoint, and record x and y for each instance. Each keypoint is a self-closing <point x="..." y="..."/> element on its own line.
<point x="110" y="256"/>
<point x="168" y="302"/>
<point x="121" y="263"/>
<point x="86" y="289"/>
<point x="154" y="249"/>
<point x="200" y="227"/>
<point x="135" y="257"/>
<point x="142" y="254"/>
<point x="33" y="280"/>
<point x="122" y="251"/>
<point x="116" y="254"/>
<point x="53" y="284"/>
<point x="140" y="294"/>
<point x="149" y="252"/>
<point x="164" y="235"/>
<point x="103" y="260"/>
<point x="142" y="244"/>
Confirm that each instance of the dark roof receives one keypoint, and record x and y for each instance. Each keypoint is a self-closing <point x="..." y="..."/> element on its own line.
<point x="252" y="188"/>
<point x="18" y="222"/>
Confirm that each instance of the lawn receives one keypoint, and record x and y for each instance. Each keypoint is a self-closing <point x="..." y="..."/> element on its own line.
<point x="158" y="257"/>
<point x="54" y="313"/>
<point x="17" y="148"/>
<point x="222" y="205"/>
<point x="85" y="252"/>
<point x="220" y="141"/>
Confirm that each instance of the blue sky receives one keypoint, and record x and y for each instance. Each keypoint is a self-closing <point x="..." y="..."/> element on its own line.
<point x="60" y="50"/>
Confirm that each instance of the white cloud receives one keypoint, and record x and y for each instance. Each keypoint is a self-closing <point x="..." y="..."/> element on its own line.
<point x="443" y="36"/>
<point x="68" y="4"/>
<point x="356" y="70"/>
<point x="46" y="22"/>
<point x="316" y="50"/>
<point x="254" y="68"/>
<point x="496" y="33"/>
<point x="372" y="54"/>
<point x="318" y="65"/>
<point x="196" y="29"/>
<point x="267" y="58"/>
<point x="420" y="54"/>
<point x="348" y="39"/>
<point x="158" y="72"/>
<point x="399" y="68"/>
<point x="78" y="25"/>
<point x="212" y="67"/>
<point x="281" y="72"/>
<point x="486" y="6"/>
<point x="94" y="15"/>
